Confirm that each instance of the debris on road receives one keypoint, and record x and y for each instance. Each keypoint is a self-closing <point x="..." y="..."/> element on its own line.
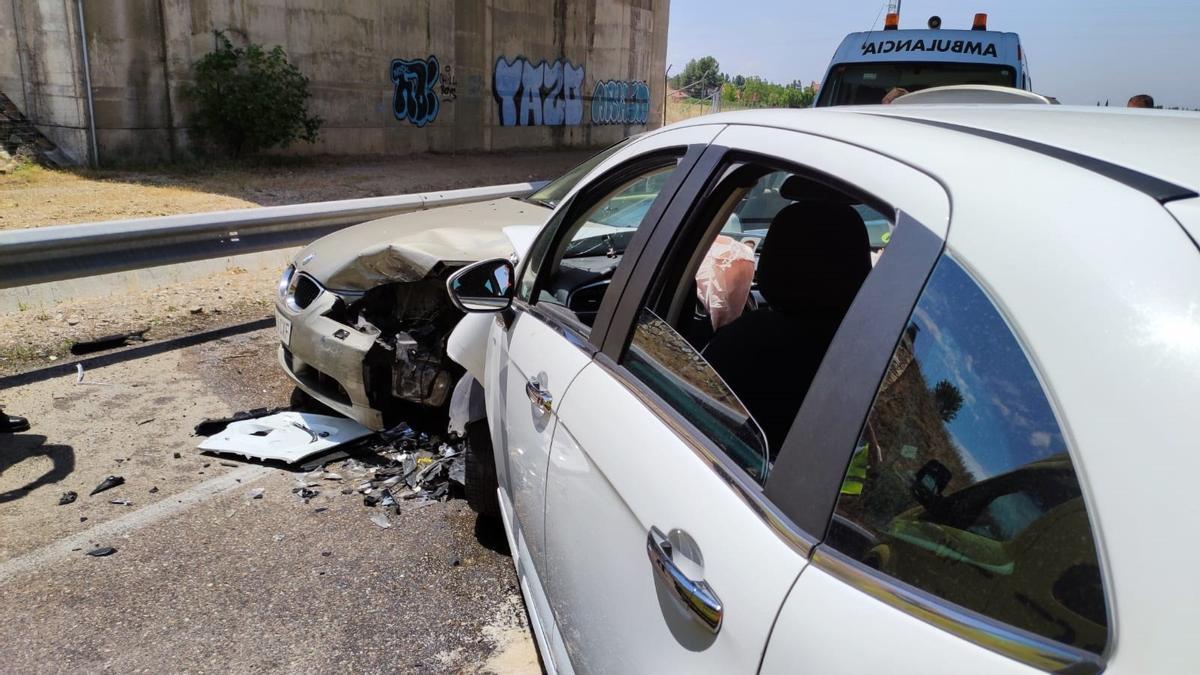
<point x="387" y="470"/>
<point x="67" y="497"/>
<point x="102" y="551"/>
<point x="107" y="342"/>
<point x="390" y="468"/>
<point x="286" y="436"/>
<point x="120" y="502"/>
<point x="107" y="484"/>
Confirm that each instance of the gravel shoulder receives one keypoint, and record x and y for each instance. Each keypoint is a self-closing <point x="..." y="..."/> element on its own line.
<point x="227" y="583"/>
<point x="43" y="336"/>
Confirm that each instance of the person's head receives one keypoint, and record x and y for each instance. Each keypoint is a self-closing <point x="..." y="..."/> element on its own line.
<point x="1141" y="101"/>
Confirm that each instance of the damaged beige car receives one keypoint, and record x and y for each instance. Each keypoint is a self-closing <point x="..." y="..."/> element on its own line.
<point x="363" y="314"/>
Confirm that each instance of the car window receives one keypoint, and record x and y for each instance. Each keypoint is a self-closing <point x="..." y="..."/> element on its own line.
<point x="961" y="483"/>
<point x="572" y="263"/>
<point x="741" y="312"/>
<point x="553" y="192"/>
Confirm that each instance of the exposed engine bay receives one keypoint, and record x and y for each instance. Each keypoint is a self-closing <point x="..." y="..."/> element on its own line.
<point x="410" y="323"/>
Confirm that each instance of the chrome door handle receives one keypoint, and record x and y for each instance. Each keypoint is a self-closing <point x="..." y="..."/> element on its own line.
<point x="697" y="596"/>
<point x="540" y="398"/>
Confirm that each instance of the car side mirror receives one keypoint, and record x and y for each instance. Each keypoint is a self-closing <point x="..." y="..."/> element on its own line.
<point x="485" y="286"/>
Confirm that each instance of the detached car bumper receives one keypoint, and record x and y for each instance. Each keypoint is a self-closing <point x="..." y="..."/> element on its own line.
<point x="325" y="357"/>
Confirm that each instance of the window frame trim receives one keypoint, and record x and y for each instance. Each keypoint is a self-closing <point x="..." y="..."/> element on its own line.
<point x="1028" y="648"/>
<point x="582" y="200"/>
<point x="812" y="462"/>
<point x="1032" y="649"/>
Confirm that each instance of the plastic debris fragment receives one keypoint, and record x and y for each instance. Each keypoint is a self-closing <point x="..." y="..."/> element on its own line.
<point x="102" y="551"/>
<point x="67" y="497"/>
<point x="381" y="520"/>
<point x="107" y="484"/>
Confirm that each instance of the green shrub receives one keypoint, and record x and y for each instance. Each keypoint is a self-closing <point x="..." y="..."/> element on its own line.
<point x="248" y="99"/>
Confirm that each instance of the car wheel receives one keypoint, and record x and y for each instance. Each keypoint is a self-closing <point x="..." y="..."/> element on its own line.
<point x="480" y="468"/>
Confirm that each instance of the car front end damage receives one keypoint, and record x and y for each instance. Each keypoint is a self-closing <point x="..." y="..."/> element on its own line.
<point x="361" y="354"/>
<point x="363" y="315"/>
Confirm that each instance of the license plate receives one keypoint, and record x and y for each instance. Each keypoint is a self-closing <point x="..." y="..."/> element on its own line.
<point x="284" y="326"/>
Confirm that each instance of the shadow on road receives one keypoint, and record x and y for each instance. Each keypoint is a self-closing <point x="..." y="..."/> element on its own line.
<point x="490" y="534"/>
<point x="18" y="448"/>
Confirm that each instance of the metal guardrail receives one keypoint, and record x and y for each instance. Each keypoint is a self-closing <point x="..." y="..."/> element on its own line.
<point x="58" y="252"/>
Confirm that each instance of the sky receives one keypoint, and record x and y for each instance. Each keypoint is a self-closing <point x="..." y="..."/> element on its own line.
<point x="1080" y="52"/>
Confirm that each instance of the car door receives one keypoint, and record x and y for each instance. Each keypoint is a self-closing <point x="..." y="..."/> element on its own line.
<point x="959" y="526"/>
<point x="664" y="551"/>
<point x="547" y="339"/>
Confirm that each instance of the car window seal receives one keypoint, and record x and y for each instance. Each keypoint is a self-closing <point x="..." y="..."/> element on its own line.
<point x="561" y="320"/>
<point x="1020" y="645"/>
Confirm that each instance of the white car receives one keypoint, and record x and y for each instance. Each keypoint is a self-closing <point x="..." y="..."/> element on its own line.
<point x="963" y="449"/>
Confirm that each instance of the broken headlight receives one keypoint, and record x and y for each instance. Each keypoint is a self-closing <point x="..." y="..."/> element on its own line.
<point x="285" y="281"/>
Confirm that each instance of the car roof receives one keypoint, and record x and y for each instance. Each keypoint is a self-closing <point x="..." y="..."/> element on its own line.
<point x="1158" y="143"/>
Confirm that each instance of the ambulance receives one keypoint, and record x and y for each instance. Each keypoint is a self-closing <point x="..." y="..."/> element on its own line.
<point x="877" y="65"/>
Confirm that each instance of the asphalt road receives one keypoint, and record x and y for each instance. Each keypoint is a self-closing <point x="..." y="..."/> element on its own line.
<point x="206" y="579"/>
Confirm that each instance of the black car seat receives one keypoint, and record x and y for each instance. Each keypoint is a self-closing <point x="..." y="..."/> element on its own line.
<point x="814" y="258"/>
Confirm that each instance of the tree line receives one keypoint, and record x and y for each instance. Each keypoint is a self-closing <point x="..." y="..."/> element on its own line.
<point x="702" y="77"/>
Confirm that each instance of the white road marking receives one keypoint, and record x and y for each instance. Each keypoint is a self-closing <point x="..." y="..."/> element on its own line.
<point x="160" y="510"/>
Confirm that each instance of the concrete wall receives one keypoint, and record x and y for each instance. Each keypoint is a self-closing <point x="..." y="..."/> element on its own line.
<point x="509" y="73"/>
<point x="39" y="71"/>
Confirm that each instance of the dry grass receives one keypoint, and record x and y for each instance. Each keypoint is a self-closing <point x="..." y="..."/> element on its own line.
<point x="34" y="196"/>
<point x="687" y="108"/>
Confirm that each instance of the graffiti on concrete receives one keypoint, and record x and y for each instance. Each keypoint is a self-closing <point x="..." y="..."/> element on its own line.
<point x="548" y="94"/>
<point x="449" y="87"/>
<point x="415" y="99"/>
<point x="474" y="86"/>
<point x="620" y="102"/>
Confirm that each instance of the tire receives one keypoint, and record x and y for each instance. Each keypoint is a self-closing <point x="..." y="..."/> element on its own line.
<point x="481" y="472"/>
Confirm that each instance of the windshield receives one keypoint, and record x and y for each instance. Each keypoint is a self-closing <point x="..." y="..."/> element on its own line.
<point x="550" y="195"/>
<point x="868" y="83"/>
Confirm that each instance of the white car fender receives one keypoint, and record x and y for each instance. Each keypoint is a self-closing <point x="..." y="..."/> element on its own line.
<point x="467" y="405"/>
<point x="467" y="344"/>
